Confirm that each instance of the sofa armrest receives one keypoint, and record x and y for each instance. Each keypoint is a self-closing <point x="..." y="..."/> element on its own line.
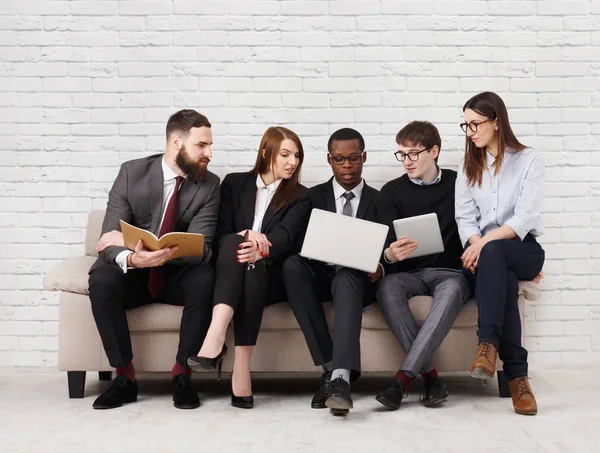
<point x="70" y="275"/>
<point x="530" y="290"/>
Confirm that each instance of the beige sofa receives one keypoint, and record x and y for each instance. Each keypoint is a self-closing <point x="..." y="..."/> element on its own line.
<point x="280" y="347"/>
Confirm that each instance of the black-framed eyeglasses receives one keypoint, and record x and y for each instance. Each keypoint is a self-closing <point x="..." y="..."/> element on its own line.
<point x="473" y="125"/>
<point x="413" y="155"/>
<point x="353" y="158"/>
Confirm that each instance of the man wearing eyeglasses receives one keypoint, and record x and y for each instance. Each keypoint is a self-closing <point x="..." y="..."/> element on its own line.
<point x="309" y="283"/>
<point x="425" y="188"/>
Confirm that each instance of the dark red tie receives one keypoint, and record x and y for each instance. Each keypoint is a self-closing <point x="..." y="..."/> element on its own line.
<point x="158" y="274"/>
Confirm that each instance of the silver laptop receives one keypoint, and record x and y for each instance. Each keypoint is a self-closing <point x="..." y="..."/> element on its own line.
<point x="344" y="240"/>
<point x="425" y="229"/>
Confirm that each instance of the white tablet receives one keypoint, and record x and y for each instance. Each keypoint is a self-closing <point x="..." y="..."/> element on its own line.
<point x="425" y="229"/>
<point x="344" y="240"/>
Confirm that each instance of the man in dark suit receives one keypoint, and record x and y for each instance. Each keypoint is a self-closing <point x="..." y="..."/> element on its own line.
<point x="309" y="283"/>
<point x="162" y="193"/>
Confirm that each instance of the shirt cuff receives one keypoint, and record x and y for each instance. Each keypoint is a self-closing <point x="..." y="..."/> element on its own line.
<point x="517" y="226"/>
<point x="385" y="258"/>
<point x="121" y="260"/>
<point x="466" y="233"/>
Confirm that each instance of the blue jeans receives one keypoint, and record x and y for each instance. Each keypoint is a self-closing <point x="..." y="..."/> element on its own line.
<point x="501" y="264"/>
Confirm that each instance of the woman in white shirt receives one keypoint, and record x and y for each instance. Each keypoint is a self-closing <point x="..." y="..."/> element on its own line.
<point x="498" y="211"/>
<point x="261" y="216"/>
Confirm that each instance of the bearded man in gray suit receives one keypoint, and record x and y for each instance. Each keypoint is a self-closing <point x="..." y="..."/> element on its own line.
<point x="162" y="193"/>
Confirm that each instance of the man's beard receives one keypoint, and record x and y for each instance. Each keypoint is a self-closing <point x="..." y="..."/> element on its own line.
<point x="193" y="170"/>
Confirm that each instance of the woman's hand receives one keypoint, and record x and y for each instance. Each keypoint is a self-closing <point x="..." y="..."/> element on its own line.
<point x="248" y="253"/>
<point x="538" y="277"/>
<point x="470" y="257"/>
<point x="262" y="243"/>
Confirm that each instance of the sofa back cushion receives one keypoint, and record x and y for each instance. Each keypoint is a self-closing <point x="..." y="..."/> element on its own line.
<point x="94" y="229"/>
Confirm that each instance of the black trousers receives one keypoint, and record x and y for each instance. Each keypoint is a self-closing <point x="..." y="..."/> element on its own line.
<point x="501" y="264"/>
<point x="245" y="290"/>
<point x="112" y="292"/>
<point x="309" y="284"/>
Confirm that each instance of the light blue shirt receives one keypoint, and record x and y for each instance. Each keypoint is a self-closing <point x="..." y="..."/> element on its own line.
<point x="420" y="182"/>
<point x="513" y="197"/>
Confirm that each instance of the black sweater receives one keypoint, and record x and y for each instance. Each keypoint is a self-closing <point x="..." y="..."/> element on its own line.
<point x="401" y="198"/>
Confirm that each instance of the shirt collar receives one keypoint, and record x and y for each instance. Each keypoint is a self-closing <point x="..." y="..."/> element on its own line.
<point x="168" y="174"/>
<point x="271" y="187"/>
<point x="338" y="190"/>
<point x="420" y="182"/>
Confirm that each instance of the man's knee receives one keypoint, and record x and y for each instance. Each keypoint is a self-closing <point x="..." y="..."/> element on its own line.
<point x="295" y="266"/>
<point x="105" y="278"/>
<point x="198" y="278"/>
<point x="391" y="290"/>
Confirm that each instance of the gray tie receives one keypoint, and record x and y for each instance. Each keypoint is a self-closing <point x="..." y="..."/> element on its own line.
<point x="347" y="208"/>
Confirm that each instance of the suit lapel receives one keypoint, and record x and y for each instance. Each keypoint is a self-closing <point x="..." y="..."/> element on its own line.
<point x="329" y="196"/>
<point x="248" y="200"/>
<point x="366" y="199"/>
<point x="155" y="192"/>
<point x="269" y="215"/>
<point x="187" y="192"/>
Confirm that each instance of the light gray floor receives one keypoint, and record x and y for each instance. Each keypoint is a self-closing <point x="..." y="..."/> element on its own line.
<point x="37" y="416"/>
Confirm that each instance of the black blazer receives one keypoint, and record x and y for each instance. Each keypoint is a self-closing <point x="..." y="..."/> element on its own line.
<point x="283" y="228"/>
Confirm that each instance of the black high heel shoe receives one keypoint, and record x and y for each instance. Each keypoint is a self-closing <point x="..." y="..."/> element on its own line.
<point x="243" y="402"/>
<point x="208" y="364"/>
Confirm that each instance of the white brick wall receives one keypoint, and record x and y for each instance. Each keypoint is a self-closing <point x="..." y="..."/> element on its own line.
<point x="86" y="85"/>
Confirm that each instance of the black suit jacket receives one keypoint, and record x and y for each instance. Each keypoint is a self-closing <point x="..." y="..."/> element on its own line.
<point x="322" y="197"/>
<point x="283" y="228"/>
<point x="137" y="197"/>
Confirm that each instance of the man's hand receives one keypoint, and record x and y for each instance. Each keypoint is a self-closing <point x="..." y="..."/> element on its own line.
<point x="111" y="238"/>
<point x="375" y="276"/>
<point x="401" y="249"/>
<point x="145" y="258"/>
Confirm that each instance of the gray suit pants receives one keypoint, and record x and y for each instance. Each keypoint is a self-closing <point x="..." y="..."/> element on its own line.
<point x="449" y="289"/>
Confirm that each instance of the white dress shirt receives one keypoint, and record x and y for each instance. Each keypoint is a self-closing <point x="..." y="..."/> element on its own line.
<point x="339" y="191"/>
<point x="168" y="189"/>
<point x="264" y="195"/>
<point x="513" y="197"/>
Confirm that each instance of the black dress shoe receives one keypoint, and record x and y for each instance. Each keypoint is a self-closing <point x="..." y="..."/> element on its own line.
<point x="435" y="392"/>
<point x="184" y="395"/>
<point x="318" y="401"/>
<point x="243" y="402"/>
<point x="200" y="363"/>
<point x="392" y="396"/>
<point x="339" y="399"/>
<point x="121" y="391"/>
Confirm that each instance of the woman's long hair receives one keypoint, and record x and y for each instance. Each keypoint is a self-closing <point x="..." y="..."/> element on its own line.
<point x="270" y="144"/>
<point x="492" y="107"/>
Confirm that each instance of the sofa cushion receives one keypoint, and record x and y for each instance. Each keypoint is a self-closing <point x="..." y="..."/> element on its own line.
<point x="93" y="232"/>
<point x="70" y="275"/>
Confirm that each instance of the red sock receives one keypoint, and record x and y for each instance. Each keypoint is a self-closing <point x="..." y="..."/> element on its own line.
<point x="128" y="371"/>
<point x="178" y="369"/>
<point x="430" y="374"/>
<point x="404" y="378"/>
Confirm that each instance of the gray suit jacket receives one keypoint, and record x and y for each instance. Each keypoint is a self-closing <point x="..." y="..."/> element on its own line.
<point x="137" y="196"/>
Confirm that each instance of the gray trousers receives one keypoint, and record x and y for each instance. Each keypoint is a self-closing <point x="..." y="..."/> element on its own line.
<point x="449" y="289"/>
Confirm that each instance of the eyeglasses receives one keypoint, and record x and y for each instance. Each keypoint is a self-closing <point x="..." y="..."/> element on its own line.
<point x="353" y="159"/>
<point x="473" y="125"/>
<point x="413" y="155"/>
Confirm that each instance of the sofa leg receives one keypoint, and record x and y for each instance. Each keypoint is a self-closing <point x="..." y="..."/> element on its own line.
<point x="503" y="388"/>
<point x="105" y="375"/>
<point x="76" y="383"/>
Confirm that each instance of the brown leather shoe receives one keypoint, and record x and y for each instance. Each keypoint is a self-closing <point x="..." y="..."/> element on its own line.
<point x="484" y="365"/>
<point x="522" y="396"/>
